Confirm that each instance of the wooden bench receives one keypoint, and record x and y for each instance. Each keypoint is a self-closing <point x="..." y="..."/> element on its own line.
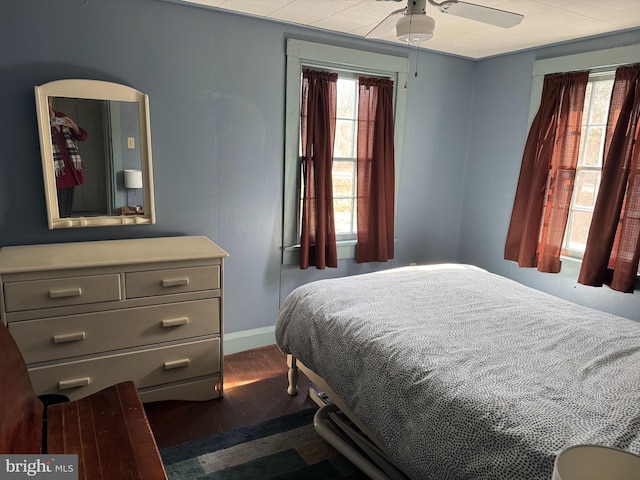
<point x="108" y="430"/>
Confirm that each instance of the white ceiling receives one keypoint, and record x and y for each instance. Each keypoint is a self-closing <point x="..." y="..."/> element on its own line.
<point x="545" y="21"/>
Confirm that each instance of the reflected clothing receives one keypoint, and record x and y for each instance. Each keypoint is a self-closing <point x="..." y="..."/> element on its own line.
<point x="66" y="158"/>
<point x="65" y="201"/>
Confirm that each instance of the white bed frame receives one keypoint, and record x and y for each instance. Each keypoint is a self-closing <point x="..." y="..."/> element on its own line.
<point x="370" y="455"/>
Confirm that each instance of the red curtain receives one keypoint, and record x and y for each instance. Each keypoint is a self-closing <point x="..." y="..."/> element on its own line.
<point x="318" y="120"/>
<point x="375" y="170"/>
<point x="613" y="244"/>
<point x="547" y="174"/>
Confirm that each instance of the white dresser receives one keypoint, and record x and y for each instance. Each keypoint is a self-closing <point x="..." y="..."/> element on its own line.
<point x="87" y="315"/>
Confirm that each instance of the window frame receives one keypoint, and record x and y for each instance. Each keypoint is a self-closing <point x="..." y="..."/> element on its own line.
<point x="303" y="54"/>
<point x="596" y="62"/>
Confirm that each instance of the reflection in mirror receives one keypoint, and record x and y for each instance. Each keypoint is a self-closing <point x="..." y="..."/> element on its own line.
<point x="89" y="152"/>
<point x="96" y="153"/>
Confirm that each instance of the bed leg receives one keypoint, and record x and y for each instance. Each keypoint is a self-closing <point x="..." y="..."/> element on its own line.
<point x="292" y="375"/>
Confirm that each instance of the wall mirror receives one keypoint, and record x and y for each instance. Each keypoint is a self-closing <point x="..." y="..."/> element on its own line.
<point x="95" y="143"/>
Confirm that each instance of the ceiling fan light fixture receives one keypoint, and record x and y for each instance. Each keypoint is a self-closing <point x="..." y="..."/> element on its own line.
<point x="415" y="28"/>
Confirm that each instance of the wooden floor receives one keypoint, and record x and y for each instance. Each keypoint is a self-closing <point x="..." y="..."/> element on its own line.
<point x="255" y="384"/>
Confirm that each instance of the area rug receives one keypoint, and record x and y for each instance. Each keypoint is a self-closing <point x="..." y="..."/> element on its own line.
<point x="286" y="447"/>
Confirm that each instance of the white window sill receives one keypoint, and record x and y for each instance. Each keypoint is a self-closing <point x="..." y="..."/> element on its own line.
<point x="570" y="266"/>
<point x="346" y="249"/>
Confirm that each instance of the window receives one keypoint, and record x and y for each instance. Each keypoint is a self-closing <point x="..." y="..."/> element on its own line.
<point x="589" y="168"/>
<point x="587" y="182"/>
<point x="344" y="159"/>
<point x="349" y="64"/>
<point x="602" y="65"/>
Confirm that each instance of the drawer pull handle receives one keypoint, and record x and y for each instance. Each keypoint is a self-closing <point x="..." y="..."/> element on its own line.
<point x="69" y="292"/>
<point x="73" y="383"/>
<point x="175" y="282"/>
<point x="175" y="322"/>
<point x="182" y="363"/>
<point x="69" y="337"/>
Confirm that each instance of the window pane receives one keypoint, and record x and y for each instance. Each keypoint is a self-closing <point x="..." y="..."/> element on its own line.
<point x="593" y="146"/>
<point x="343" y="213"/>
<point x="346" y="102"/>
<point x="344" y="144"/>
<point x="587" y="102"/>
<point x="580" y="222"/>
<point x="600" y="105"/>
<point x="586" y="186"/>
<point x="343" y="179"/>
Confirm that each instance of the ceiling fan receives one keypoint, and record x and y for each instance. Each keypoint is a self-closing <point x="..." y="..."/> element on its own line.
<point x="413" y="25"/>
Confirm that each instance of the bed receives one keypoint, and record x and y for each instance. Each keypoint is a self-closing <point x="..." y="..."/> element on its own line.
<point x="458" y="373"/>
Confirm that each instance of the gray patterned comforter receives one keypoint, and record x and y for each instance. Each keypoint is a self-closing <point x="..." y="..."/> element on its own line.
<point x="463" y="374"/>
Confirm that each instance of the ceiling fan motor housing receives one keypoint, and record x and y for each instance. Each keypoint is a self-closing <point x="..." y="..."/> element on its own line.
<point x="415" y="26"/>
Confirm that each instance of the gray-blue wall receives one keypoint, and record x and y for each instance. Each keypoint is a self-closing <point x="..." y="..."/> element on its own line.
<point x="216" y="87"/>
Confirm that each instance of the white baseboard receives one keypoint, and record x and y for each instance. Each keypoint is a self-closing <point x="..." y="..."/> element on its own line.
<point x="247" y="339"/>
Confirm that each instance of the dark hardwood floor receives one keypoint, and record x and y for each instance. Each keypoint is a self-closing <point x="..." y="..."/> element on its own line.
<point x="255" y="384"/>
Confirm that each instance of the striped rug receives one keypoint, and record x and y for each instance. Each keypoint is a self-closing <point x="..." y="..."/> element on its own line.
<point x="283" y="448"/>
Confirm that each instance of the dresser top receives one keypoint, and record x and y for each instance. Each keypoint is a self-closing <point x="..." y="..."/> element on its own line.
<point x="58" y="256"/>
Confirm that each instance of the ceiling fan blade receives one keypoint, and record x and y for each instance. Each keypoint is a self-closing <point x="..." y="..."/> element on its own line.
<point x="386" y="25"/>
<point x="492" y="16"/>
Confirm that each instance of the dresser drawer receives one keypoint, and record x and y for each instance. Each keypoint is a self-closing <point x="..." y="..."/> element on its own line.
<point x="74" y="335"/>
<point x="195" y="391"/>
<point x="146" y="368"/>
<point x="177" y="280"/>
<point x="60" y="292"/>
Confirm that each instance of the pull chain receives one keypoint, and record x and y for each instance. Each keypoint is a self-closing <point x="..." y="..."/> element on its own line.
<point x="406" y="78"/>
<point x="409" y="54"/>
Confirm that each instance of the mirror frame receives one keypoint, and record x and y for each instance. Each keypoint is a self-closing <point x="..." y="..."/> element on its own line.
<point x="95" y="90"/>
